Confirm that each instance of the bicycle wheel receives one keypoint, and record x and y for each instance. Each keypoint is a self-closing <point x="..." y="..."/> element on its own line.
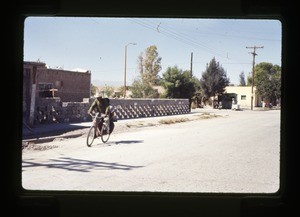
<point x="91" y="136"/>
<point x="104" y="134"/>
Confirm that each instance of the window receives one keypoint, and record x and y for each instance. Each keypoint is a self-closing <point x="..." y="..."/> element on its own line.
<point x="44" y="89"/>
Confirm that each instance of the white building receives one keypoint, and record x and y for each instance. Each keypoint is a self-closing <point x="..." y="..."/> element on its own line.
<point x="243" y="96"/>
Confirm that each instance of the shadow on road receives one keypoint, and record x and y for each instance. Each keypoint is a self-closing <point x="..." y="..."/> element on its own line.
<point x="121" y="142"/>
<point x="79" y="165"/>
<point x="128" y="142"/>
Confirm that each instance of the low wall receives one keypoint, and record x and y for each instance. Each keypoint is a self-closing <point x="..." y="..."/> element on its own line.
<point x="51" y="110"/>
<point x="140" y="108"/>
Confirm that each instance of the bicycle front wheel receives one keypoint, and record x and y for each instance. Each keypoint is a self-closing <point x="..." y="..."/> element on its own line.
<point x="91" y="136"/>
<point x="104" y="134"/>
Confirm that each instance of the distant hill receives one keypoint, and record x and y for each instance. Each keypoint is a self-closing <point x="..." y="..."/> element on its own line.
<point x="108" y="83"/>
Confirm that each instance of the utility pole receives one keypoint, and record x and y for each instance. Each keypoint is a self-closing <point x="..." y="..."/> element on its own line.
<point x="192" y="64"/>
<point x="253" y="65"/>
<point x="125" y="60"/>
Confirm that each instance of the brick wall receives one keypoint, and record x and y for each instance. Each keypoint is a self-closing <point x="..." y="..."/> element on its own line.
<point x="71" y="86"/>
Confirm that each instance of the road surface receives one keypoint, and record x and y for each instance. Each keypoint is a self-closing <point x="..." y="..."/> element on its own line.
<point x="233" y="152"/>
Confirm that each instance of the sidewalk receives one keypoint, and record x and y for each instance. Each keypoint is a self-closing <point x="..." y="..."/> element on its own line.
<point x="48" y="132"/>
<point x="52" y="129"/>
<point x="56" y="129"/>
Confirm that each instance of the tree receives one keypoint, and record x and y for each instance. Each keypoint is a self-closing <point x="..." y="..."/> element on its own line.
<point x="94" y="90"/>
<point x="267" y="79"/>
<point x="108" y="90"/>
<point x="179" y="84"/>
<point x="242" y="79"/>
<point x="149" y="64"/>
<point x="249" y="79"/>
<point x="198" y="95"/>
<point x="214" y="80"/>
<point x="141" y="89"/>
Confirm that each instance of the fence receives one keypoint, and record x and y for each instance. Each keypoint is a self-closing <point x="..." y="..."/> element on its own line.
<point x="50" y="110"/>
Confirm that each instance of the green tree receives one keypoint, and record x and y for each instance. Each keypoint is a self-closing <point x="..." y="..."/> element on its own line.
<point x="108" y="90"/>
<point x="267" y="79"/>
<point x="213" y="80"/>
<point x="249" y="79"/>
<point x="198" y="96"/>
<point x="94" y="89"/>
<point x="141" y="89"/>
<point x="242" y="79"/>
<point x="179" y="84"/>
<point x="149" y="64"/>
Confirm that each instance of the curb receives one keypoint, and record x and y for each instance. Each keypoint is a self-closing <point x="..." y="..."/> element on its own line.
<point x="50" y="138"/>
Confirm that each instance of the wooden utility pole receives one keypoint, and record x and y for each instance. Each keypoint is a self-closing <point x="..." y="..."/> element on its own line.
<point x="192" y="64"/>
<point x="125" y="60"/>
<point x="253" y="65"/>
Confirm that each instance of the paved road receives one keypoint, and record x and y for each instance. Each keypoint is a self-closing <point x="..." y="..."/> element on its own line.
<point x="235" y="152"/>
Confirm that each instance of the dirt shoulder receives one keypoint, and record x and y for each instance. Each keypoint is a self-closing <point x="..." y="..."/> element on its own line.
<point x="123" y="126"/>
<point x="133" y="125"/>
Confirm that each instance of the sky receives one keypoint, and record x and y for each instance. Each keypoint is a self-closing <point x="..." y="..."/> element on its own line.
<point x="98" y="44"/>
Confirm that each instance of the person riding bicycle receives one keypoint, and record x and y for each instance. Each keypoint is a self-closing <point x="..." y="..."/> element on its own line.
<point x="97" y="106"/>
<point x="109" y="114"/>
<point x="103" y="122"/>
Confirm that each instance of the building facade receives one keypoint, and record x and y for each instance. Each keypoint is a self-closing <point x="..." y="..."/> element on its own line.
<point x="69" y="86"/>
<point x="42" y="82"/>
<point x="243" y="96"/>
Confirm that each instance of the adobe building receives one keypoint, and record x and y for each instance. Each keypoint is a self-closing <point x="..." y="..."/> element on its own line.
<point x="42" y="82"/>
<point x="69" y="86"/>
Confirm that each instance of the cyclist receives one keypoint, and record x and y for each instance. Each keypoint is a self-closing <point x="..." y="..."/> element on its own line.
<point x="98" y="106"/>
<point x="109" y="115"/>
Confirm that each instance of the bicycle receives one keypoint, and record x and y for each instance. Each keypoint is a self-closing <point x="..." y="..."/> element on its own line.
<point x="104" y="132"/>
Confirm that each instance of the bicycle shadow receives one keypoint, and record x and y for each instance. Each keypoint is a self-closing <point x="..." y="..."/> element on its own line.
<point x="128" y="142"/>
<point x="121" y="142"/>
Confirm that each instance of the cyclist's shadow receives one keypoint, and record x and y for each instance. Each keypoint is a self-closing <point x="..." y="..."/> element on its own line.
<point x="121" y="142"/>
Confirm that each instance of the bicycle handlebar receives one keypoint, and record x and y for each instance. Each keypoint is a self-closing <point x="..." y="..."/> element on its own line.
<point x="97" y="114"/>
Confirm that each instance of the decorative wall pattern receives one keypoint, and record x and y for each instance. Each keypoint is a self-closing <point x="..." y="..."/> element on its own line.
<point x="50" y="110"/>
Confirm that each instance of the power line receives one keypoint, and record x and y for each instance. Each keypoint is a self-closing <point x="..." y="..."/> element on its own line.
<point x="176" y="35"/>
<point x="253" y="64"/>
